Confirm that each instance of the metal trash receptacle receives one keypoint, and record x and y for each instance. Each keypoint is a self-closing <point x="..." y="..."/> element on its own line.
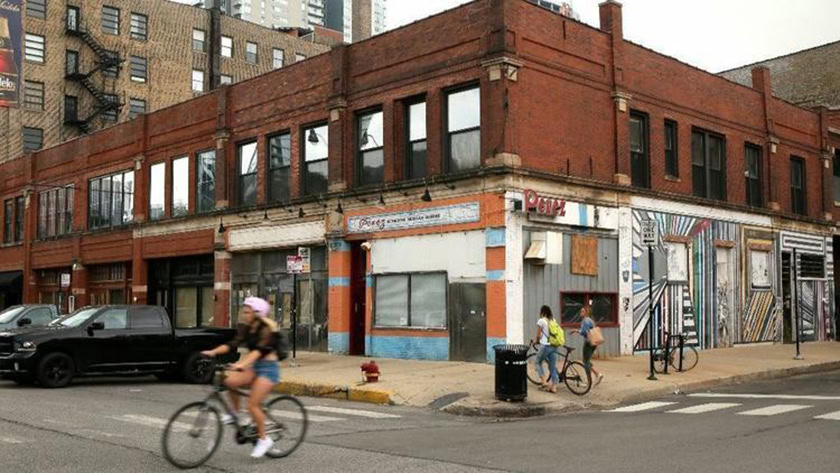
<point x="511" y="372"/>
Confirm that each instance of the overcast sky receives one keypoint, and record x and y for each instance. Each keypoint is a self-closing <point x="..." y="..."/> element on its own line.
<point x="711" y="34"/>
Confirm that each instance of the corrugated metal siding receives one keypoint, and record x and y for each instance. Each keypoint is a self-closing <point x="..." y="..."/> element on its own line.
<point x="543" y="284"/>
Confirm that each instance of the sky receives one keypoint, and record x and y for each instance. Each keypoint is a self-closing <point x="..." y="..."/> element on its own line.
<point x="714" y="35"/>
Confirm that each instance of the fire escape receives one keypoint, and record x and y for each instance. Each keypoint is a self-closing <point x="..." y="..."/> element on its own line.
<point x="105" y="60"/>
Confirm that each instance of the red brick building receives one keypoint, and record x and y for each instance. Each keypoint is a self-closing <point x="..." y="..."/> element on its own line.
<point x="448" y="178"/>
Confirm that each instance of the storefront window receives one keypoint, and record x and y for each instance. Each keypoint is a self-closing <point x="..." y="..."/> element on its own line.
<point x="206" y="168"/>
<point x="184" y="286"/>
<point x="411" y="300"/>
<point x="603" y="307"/>
<point x="180" y="186"/>
<point x="186" y="309"/>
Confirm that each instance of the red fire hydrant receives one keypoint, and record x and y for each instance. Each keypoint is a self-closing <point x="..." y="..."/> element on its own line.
<point x="370" y="372"/>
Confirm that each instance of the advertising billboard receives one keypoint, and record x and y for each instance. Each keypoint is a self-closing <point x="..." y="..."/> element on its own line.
<point x="10" y="52"/>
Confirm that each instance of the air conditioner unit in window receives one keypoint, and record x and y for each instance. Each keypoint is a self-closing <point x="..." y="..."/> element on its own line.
<point x="545" y="248"/>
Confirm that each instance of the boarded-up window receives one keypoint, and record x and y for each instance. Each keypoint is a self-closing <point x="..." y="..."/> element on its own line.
<point x="760" y="268"/>
<point x="585" y="255"/>
<point x="677" y="262"/>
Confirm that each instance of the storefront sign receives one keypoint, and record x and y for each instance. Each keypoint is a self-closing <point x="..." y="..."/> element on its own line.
<point x="303" y="252"/>
<point x="450" y="215"/>
<point x="543" y="205"/>
<point x="10" y="53"/>
<point x="294" y="264"/>
<point x="65" y="279"/>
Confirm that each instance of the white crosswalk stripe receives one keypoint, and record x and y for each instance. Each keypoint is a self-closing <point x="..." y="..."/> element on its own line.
<point x="645" y="406"/>
<point x="353" y="412"/>
<point x="774" y="410"/>
<point x="10" y="440"/>
<point x="149" y="421"/>
<point x="310" y="417"/>
<point x="789" y="397"/>
<point x="703" y="408"/>
<point x="829" y="416"/>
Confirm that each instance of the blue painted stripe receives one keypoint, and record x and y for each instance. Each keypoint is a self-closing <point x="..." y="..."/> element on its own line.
<point x="339" y="282"/>
<point x="491" y="353"/>
<point x="339" y="245"/>
<point x="494" y="237"/>
<point x="496" y="275"/>
<point x="369" y="280"/>
<point x="583" y="211"/>
<point x="339" y="342"/>
<point x="411" y="348"/>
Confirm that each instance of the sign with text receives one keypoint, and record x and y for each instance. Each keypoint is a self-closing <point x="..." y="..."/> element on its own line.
<point x="650" y="232"/>
<point x="294" y="264"/>
<point x="428" y="217"/>
<point x="65" y="279"/>
<point x="557" y="210"/>
<point x="543" y="205"/>
<point x="10" y="52"/>
<point x="304" y="254"/>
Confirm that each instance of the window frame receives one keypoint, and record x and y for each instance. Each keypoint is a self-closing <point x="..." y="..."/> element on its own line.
<point x="361" y="153"/>
<point x="33" y="95"/>
<point x="222" y="77"/>
<point x="111" y="116"/>
<point x="71" y="99"/>
<point x="8" y="220"/>
<point x="588" y="296"/>
<point x="199" y="158"/>
<point x="125" y="203"/>
<point x="112" y="71"/>
<point x="447" y="134"/>
<point x="409" y="325"/>
<point x="151" y="190"/>
<point x="36" y="9"/>
<point x="139" y="31"/>
<point x="274" y="52"/>
<point x="20" y="208"/>
<point x="707" y="176"/>
<point x="836" y="176"/>
<point x="754" y="200"/>
<point x="203" y="41"/>
<point x="68" y="53"/>
<point x="643" y="156"/>
<point x="409" y="143"/>
<point x="132" y="111"/>
<point x="802" y="189"/>
<point x="26" y="133"/>
<point x="240" y="177"/>
<point x="304" y="164"/>
<point x="672" y="156"/>
<point x="185" y="185"/>
<point x="135" y="67"/>
<point x="110" y="20"/>
<point x="271" y="170"/>
<point x="35" y="48"/>
<point x="222" y="47"/>
<point x="252" y="57"/>
<point x="62" y="218"/>
<point x="300" y="57"/>
<point x="71" y="18"/>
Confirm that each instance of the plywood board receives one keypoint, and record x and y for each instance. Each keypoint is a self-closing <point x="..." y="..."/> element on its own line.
<point x="585" y="255"/>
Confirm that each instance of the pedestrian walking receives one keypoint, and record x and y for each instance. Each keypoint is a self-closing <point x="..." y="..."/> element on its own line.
<point x="592" y="337"/>
<point x="549" y="337"/>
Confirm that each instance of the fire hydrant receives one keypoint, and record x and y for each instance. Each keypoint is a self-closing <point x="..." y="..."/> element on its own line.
<point x="370" y="372"/>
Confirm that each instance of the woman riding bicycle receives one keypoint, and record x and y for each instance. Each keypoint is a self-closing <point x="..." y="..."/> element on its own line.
<point x="258" y="332"/>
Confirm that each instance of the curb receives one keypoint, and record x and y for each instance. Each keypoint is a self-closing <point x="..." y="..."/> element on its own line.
<point x="346" y="393"/>
<point x="524" y="410"/>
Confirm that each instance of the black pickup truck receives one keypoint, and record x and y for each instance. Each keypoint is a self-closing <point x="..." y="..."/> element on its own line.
<point x="110" y="341"/>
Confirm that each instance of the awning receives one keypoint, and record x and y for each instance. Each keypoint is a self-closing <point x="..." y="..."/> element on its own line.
<point x="536" y="250"/>
<point x="11" y="278"/>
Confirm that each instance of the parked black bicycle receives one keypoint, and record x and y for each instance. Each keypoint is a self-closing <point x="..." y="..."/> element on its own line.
<point x="680" y="356"/>
<point x="194" y="432"/>
<point x="572" y="373"/>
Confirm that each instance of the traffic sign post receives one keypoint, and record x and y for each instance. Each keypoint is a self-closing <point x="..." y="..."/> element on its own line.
<point x="650" y="237"/>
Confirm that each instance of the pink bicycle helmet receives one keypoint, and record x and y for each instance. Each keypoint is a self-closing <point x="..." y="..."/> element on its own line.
<point x="260" y="306"/>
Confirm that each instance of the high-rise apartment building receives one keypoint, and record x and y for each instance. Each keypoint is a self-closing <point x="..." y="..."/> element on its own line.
<point x="356" y="19"/>
<point x="93" y="64"/>
<point x="276" y="13"/>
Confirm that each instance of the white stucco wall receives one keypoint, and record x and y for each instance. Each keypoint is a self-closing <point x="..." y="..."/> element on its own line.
<point x="461" y="254"/>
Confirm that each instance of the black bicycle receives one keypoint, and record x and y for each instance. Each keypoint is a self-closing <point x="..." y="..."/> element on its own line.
<point x="194" y="432"/>
<point x="572" y="373"/>
<point x="681" y="357"/>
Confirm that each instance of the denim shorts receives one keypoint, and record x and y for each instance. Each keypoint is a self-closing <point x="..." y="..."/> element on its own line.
<point x="268" y="369"/>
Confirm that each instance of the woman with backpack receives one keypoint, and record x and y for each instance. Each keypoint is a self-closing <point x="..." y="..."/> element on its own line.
<point x="549" y="337"/>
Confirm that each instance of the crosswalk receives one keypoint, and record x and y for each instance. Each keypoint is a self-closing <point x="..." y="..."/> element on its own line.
<point x="738" y="408"/>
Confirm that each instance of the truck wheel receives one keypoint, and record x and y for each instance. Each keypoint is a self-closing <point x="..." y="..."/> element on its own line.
<point x="197" y="373"/>
<point x="55" y="370"/>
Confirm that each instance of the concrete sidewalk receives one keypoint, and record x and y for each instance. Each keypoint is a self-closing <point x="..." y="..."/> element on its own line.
<point x="468" y="388"/>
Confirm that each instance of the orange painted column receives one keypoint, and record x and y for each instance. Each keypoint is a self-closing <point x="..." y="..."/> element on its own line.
<point x="339" y="298"/>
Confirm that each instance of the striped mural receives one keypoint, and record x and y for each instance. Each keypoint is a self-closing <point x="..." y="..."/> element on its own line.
<point x="690" y="306"/>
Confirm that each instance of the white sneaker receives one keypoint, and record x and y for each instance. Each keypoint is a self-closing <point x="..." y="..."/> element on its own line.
<point x="262" y="446"/>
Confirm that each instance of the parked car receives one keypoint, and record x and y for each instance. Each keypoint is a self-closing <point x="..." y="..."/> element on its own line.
<point x="109" y="341"/>
<point x="33" y="315"/>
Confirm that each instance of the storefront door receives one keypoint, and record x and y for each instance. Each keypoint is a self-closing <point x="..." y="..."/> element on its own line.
<point x="467" y="322"/>
<point x="358" y="290"/>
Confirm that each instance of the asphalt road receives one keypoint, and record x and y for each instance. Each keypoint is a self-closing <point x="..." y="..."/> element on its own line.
<point x="107" y="425"/>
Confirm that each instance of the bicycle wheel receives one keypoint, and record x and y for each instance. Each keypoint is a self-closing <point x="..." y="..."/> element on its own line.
<point x="690" y="358"/>
<point x="286" y="425"/>
<point x="577" y="379"/>
<point x="659" y="360"/>
<point x="531" y="370"/>
<point x="192" y="435"/>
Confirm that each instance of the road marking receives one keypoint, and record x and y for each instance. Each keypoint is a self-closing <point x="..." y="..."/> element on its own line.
<point x="703" y="408"/>
<point x="152" y="422"/>
<point x="774" y="409"/>
<point x="767" y="396"/>
<point x="643" y="406"/>
<point x="353" y="412"/>
<point x="829" y="416"/>
<point x="10" y="440"/>
<point x="297" y="416"/>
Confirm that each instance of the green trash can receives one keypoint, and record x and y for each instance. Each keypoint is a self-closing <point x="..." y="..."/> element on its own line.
<point x="511" y="372"/>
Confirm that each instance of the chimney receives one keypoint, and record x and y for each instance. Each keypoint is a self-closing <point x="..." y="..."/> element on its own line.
<point x="761" y="79"/>
<point x="610" y="12"/>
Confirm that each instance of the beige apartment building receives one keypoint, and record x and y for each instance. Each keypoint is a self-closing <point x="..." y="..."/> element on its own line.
<point x="89" y="64"/>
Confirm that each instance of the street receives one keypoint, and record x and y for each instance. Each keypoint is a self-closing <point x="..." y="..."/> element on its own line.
<point x="103" y="425"/>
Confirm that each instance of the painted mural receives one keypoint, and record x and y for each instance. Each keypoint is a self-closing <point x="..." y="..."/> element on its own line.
<point x="697" y="288"/>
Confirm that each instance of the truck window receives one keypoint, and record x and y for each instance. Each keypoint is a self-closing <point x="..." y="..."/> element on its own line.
<point x="145" y="318"/>
<point x="114" y="319"/>
<point x="40" y="316"/>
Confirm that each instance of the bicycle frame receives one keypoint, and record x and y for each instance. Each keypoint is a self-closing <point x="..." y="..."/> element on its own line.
<point x="218" y="388"/>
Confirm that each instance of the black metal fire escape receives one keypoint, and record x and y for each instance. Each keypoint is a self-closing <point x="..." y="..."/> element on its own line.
<point x="105" y="60"/>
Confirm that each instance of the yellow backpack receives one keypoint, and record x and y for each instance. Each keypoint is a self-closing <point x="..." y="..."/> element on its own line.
<point x="556" y="337"/>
